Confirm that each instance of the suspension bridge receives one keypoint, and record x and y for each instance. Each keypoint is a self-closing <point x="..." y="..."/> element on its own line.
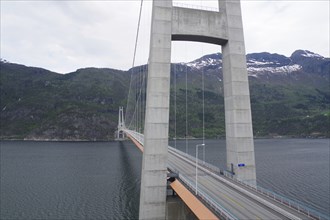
<point x="210" y="193"/>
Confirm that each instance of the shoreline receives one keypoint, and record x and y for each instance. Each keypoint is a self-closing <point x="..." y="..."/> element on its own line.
<point x="170" y="139"/>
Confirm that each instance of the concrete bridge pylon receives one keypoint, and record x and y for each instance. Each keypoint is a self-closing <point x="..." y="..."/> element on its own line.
<point x="223" y="28"/>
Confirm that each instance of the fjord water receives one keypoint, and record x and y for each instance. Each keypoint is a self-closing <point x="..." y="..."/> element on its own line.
<point x="101" y="180"/>
<point x="62" y="180"/>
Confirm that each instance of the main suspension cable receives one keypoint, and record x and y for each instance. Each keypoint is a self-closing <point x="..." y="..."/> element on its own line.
<point x="203" y="97"/>
<point x="134" y="55"/>
<point x="174" y="105"/>
<point x="186" y="104"/>
<point x="137" y="34"/>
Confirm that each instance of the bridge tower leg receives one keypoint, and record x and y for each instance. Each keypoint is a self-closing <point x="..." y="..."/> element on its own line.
<point x="239" y="133"/>
<point x="154" y="163"/>
<point x="222" y="28"/>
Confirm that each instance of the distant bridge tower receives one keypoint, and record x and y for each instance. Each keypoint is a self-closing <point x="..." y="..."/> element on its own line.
<point x="222" y="28"/>
<point x="120" y="135"/>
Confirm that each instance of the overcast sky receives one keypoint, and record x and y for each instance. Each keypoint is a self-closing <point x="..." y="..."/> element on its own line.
<point x="63" y="36"/>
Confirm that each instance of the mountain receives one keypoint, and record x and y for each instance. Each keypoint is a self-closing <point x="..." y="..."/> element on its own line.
<point x="290" y="96"/>
<point x="266" y="65"/>
<point x="39" y="104"/>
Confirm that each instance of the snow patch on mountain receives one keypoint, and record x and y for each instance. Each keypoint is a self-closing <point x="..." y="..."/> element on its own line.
<point x="201" y="63"/>
<point x="255" y="71"/>
<point x="264" y="64"/>
<point x="256" y="62"/>
<point x="310" y="54"/>
<point x="254" y="67"/>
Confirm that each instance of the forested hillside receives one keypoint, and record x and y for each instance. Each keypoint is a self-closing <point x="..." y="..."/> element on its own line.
<point x="290" y="96"/>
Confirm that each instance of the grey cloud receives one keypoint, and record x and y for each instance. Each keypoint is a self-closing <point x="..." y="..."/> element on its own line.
<point x="65" y="35"/>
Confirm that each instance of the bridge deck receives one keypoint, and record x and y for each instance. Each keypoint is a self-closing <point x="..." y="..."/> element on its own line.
<point x="239" y="205"/>
<point x="233" y="199"/>
<point x="137" y="144"/>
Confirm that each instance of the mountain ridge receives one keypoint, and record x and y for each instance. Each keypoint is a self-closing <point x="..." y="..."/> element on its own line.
<point x="37" y="104"/>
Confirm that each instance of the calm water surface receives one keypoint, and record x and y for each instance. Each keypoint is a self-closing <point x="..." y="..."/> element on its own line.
<point x="79" y="180"/>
